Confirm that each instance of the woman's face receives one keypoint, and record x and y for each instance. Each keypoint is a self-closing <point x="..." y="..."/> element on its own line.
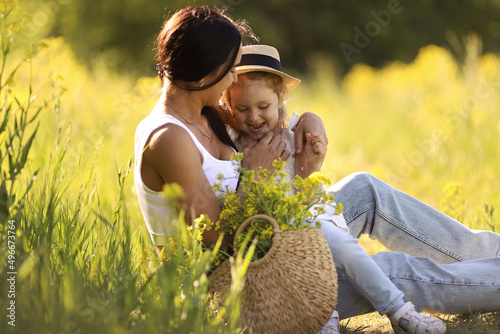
<point x="215" y="92"/>
<point x="255" y="107"/>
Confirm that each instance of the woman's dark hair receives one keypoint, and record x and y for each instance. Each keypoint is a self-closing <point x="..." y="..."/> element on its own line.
<point x="195" y="42"/>
<point x="217" y="124"/>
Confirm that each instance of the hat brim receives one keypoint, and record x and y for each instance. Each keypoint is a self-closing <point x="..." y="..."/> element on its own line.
<point x="289" y="81"/>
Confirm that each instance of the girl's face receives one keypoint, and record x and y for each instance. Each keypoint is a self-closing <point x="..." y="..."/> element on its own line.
<point x="255" y="107"/>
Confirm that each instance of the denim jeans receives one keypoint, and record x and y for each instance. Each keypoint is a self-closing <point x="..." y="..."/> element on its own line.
<point x="439" y="264"/>
<point x="360" y="269"/>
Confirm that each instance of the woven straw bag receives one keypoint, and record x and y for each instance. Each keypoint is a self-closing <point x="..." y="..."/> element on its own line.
<point x="292" y="289"/>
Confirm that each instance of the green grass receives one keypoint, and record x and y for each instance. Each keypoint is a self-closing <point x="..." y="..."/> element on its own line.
<point x="84" y="260"/>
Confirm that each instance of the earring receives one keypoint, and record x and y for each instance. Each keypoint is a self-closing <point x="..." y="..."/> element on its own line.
<point x="202" y="84"/>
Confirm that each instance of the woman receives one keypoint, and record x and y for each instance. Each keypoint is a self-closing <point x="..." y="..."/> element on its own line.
<point x="184" y="141"/>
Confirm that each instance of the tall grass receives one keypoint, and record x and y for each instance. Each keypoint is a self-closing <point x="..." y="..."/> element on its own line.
<point x="82" y="263"/>
<point x="84" y="260"/>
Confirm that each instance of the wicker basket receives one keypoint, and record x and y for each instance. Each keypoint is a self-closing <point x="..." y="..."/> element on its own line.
<point x="292" y="289"/>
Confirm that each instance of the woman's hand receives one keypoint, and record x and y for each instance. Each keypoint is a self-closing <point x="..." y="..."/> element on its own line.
<point x="264" y="152"/>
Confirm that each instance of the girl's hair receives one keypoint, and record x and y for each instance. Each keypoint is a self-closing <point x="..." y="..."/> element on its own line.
<point x="195" y="42"/>
<point x="273" y="81"/>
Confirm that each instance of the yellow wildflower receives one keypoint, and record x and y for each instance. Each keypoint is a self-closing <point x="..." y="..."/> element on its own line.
<point x="270" y="195"/>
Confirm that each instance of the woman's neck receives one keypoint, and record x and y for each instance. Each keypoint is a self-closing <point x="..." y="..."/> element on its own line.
<point x="187" y="107"/>
<point x="178" y="102"/>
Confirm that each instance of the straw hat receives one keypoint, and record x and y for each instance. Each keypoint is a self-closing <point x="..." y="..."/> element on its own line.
<point x="264" y="58"/>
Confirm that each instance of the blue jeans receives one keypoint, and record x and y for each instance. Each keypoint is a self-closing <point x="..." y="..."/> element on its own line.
<point x="439" y="264"/>
<point x="354" y="264"/>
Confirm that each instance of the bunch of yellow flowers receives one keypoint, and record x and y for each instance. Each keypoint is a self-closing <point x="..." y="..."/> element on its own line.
<point x="270" y="193"/>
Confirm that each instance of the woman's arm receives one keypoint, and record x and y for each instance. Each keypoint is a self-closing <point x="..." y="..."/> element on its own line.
<point x="309" y="122"/>
<point x="313" y="155"/>
<point x="172" y="157"/>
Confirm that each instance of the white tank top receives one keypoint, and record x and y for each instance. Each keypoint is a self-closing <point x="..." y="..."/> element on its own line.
<point x="159" y="216"/>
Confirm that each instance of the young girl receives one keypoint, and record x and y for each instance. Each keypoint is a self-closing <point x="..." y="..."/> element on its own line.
<point x="257" y="106"/>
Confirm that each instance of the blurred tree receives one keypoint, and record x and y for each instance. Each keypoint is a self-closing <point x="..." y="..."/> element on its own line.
<point x="373" y="31"/>
<point x="122" y="32"/>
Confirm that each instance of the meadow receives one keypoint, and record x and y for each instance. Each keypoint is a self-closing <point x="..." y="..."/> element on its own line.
<point x="83" y="259"/>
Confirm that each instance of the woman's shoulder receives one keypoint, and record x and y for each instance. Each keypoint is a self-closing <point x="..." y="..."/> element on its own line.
<point x="170" y="137"/>
<point x="172" y="153"/>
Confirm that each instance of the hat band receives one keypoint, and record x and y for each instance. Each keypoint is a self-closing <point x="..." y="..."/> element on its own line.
<point x="260" y="60"/>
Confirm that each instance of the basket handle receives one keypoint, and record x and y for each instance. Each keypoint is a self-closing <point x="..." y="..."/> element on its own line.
<point x="276" y="227"/>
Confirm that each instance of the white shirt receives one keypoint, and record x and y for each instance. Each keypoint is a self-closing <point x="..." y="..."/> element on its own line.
<point x="158" y="214"/>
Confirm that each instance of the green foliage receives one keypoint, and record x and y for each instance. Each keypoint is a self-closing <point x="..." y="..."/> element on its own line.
<point x="453" y="202"/>
<point x="378" y="31"/>
<point x="174" y="297"/>
<point x="83" y="265"/>
<point x="18" y="111"/>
